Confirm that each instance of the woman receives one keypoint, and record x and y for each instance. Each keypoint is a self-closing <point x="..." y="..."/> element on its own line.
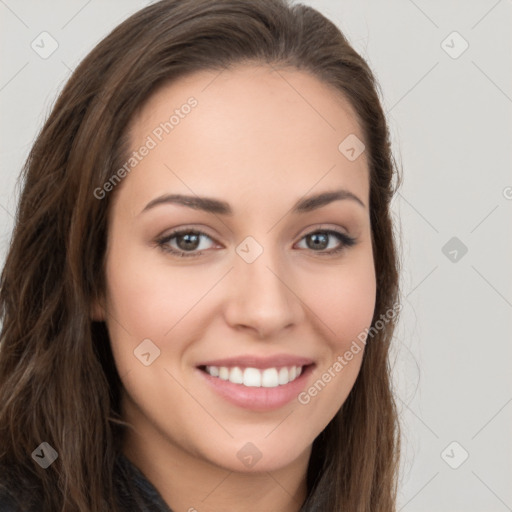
<point x="202" y="283"/>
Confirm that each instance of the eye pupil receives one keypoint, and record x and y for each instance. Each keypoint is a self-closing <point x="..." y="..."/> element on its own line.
<point x="190" y="239"/>
<point x="322" y="243"/>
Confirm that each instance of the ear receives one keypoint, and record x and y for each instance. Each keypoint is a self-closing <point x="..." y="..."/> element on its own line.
<point x="97" y="312"/>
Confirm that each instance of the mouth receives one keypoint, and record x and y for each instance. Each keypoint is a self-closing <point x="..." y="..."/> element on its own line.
<point x="257" y="385"/>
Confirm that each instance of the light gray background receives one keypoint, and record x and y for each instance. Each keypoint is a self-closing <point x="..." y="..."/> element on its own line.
<point x="451" y="124"/>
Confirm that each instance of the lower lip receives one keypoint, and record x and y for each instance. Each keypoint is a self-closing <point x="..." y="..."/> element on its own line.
<point x="258" y="399"/>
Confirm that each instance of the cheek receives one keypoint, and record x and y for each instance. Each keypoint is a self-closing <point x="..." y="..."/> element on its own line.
<point x="354" y="308"/>
<point x="344" y="300"/>
<point x="147" y="297"/>
<point x="345" y="303"/>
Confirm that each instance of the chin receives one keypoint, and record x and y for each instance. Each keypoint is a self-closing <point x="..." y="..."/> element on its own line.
<point x="260" y="455"/>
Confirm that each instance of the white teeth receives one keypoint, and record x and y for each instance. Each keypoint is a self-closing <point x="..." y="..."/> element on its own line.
<point x="236" y="375"/>
<point x="269" y="378"/>
<point x="283" y="376"/>
<point x="254" y="377"/>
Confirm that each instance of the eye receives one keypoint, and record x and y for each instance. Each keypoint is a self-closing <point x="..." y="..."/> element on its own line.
<point x="187" y="240"/>
<point x="320" y="240"/>
<point x="186" y="243"/>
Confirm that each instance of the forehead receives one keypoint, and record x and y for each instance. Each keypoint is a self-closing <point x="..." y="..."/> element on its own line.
<point x="252" y="129"/>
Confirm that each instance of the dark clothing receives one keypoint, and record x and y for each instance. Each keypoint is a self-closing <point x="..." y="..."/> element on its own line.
<point x="135" y="492"/>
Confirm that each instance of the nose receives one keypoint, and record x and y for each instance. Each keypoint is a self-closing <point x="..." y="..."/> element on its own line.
<point x="263" y="298"/>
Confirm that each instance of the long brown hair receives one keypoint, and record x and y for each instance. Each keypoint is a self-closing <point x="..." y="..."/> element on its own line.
<point x="58" y="381"/>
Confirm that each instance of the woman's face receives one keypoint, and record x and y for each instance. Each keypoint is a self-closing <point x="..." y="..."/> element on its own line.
<point x="259" y="289"/>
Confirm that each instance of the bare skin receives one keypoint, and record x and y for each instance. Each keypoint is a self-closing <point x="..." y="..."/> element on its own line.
<point x="260" y="145"/>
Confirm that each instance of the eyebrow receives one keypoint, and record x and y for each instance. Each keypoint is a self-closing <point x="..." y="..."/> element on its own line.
<point x="217" y="206"/>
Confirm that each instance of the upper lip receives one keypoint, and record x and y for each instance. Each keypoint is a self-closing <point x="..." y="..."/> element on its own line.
<point x="248" y="361"/>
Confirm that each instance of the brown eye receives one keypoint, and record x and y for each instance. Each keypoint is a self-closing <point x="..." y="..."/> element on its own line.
<point x="184" y="243"/>
<point x="319" y="241"/>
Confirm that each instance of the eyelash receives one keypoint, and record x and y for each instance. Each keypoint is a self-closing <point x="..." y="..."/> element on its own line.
<point x="346" y="242"/>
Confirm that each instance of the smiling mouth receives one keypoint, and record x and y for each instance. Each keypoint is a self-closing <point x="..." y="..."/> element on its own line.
<point x="255" y="377"/>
